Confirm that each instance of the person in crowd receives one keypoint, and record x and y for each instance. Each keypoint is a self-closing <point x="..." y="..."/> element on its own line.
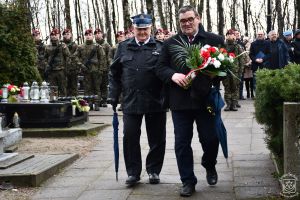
<point x="259" y="50"/>
<point x="188" y="105"/>
<point x="248" y="74"/>
<point x="279" y="55"/>
<point x="99" y="37"/>
<point x="296" y="47"/>
<point x="133" y="74"/>
<point x="159" y="34"/>
<point x="287" y="39"/>
<point x="231" y="82"/>
<point x="73" y="71"/>
<point x="57" y="57"/>
<point x="92" y="60"/>
<point x="40" y="47"/>
<point x="239" y="41"/>
<point x="129" y="33"/>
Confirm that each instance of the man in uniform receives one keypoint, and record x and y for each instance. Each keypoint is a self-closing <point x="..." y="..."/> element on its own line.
<point x="40" y="47"/>
<point x="231" y="82"/>
<point x="133" y="73"/>
<point x="159" y="34"/>
<point x="72" y="70"/>
<point x="107" y="49"/>
<point x="57" y="56"/>
<point x="91" y="59"/>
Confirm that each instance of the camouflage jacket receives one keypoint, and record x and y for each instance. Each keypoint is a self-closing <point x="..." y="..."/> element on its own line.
<point x="58" y="61"/>
<point x="107" y="50"/>
<point x="40" y="47"/>
<point x="94" y="64"/>
<point x="233" y="47"/>
<point x="72" y="66"/>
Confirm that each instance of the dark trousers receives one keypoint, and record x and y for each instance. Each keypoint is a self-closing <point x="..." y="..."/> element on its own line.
<point x="249" y="87"/>
<point x="156" y="134"/>
<point x="183" y="128"/>
<point x="241" y="87"/>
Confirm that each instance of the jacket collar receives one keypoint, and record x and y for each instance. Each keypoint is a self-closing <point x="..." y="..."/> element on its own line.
<point x="131" y="43"/>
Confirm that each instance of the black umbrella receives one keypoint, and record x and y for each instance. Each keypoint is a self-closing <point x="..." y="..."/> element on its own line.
<point x="115" y="124"/>
<point x="215" y="105"/>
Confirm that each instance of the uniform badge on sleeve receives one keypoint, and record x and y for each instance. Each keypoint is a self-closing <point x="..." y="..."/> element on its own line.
<point x="155" y="53"/>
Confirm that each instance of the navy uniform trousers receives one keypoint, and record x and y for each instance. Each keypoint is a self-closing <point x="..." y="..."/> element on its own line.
<point x="183" y="128"/>
<point x="156" y="134"/>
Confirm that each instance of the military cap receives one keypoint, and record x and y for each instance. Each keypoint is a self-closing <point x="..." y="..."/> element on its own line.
<point x="36" y="32"/>
<point x="159" y="30"/>
<point x="128" y="31"/>
<point x="166" y="32"/>
<point x="230" y="32"/>
<point x="97" y="30"/>
<point x="88" y="31"/>
<point x="119" y="33"/>
<point x="142" y="21"/>
<point x="55" y="31"/>
<point x="288" y="33"/>
<point x="66" y="30"/>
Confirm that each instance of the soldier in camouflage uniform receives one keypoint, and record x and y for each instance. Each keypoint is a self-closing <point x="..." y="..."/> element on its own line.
<point x="40" y="47"/>
<point x="231" y="82"/>
<point x="57" y="56"/>
<point x="73" y="71"/>
<point x="107" y="49"/>
<point x="91" y="61"/>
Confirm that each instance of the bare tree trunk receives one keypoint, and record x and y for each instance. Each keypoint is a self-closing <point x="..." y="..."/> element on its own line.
<point x="30" y="14"/>
<point x="193" y="3"/>
<point x="54" y="13"/>
<point x="99" y="16"/>
<point x="126" y="15"/>
<point x="89" y="14"/>
<point x="77" y="23"/>
<point x="68" y="14"/>
<point x="209" y="27"/>
<point x="96" y="18"/>
<point x="201" y="8"/>
<point x="48" y="15"/>
<point x="298" y="13"/>
<point x="221" y="23"/>
<point x="280" y="19"/>
<point x="150" y="10"/>
<point x="114" y="22"/>
<point x="161" y="14"/>
<point x="176" y="5"/>
<point x="269" y="15"/>
<point x="142" y="6"/>
<point x="107" y="21"/>
<point x="246" y="7"/>
<point x="58" y="15"/>
<point x="233" y="14"/>
<point x="181" y="3"/>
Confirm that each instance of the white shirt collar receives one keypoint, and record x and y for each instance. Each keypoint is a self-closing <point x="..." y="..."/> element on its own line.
<point x="144" y="42"/>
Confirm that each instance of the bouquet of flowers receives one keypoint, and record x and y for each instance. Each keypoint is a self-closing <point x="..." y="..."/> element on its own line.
<point x="81" y="105"/>
<point x="209" y="60"/>
<point x="13" y="90"/>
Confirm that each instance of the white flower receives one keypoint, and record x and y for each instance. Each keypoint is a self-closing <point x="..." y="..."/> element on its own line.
<point x="207" y="63"/>
<point x="221" y="57"/>
<point x="206" y="46"/>
<point x="231" y="59"/>
<point x="217" y="63"/>
<point x="13" y="89"/>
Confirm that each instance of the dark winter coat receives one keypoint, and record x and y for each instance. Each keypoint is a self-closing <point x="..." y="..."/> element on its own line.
<point x="194" y="96"/>
<point x="256" y="47"/>
<point x="283" y="55"/>
<point x="133" y="73"/>
<point x="296" y="51"/>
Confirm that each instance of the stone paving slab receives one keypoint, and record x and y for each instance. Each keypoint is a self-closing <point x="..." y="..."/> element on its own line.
<point x="244" y="178"/>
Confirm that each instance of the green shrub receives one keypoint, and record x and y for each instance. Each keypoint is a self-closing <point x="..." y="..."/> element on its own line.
<point x="17" y="48"/>
<point x="273" y="87"/>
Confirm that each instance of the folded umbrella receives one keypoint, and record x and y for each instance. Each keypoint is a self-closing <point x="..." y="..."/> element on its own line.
<point x="216" y="103"/>
<point x="115" y="124"/>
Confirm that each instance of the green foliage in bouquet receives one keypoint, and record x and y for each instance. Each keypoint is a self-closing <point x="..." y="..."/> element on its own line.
<point x="17" y="48"/>
<point x="273" y="87"/>
<point x="184" y="53"/>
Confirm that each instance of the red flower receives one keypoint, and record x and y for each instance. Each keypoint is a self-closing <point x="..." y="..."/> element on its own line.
<point x="205" y="54"/>
<point x="212" y="49"/>
<point x="0" y="92"/>
<point x="222" y="50"/>
<point x="10" y="87"/>
<point x="232" y="55"/>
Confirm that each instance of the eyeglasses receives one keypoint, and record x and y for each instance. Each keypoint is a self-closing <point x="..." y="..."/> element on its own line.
<point x="189" y="20"/>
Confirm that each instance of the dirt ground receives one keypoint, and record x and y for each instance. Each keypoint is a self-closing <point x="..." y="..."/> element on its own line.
<point x="80" y="145"/>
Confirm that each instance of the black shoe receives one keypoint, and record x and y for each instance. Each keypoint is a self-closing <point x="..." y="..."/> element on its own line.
<point x="132" y="180"/>
<point x="238" y="105"/>
<point x="104" y="104"/>
<point x="242" y="98"/>
<point x="120" y="109"/>
<point x="211" y="176"/>
<point x="233" y="108"/>
<point x="187" y="190"/>
<point x="153" y="178"/>
<point x="227" y="108"/>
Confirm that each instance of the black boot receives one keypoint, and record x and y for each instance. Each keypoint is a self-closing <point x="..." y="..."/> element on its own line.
<point x="227" y="108"/>
<point x="233" y="106"/>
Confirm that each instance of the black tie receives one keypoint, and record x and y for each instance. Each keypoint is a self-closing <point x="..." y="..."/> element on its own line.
<point x="141" y="43"/>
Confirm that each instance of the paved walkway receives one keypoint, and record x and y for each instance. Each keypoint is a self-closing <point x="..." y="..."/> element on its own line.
<point x="249" y="175"/>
